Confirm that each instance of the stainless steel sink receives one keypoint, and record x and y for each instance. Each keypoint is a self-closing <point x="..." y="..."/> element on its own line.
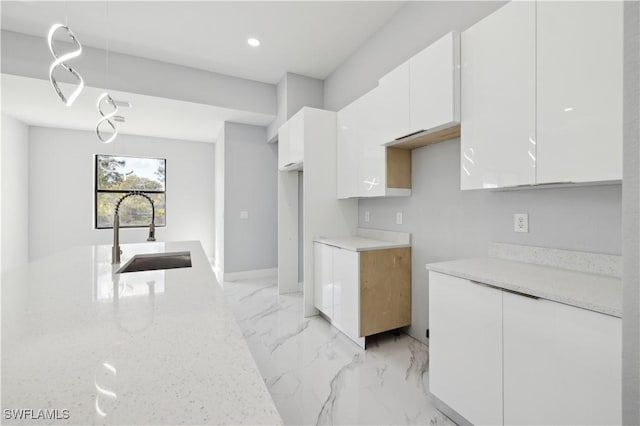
<point x="153" y="261"/>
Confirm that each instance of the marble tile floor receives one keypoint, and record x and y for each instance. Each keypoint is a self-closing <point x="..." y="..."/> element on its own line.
<point x="316" y="375"/>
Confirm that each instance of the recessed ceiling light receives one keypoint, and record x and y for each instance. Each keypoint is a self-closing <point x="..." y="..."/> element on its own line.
<point x="253" y="42"/>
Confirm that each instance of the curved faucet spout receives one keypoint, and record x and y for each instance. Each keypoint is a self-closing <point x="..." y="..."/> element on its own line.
<point x="115" y="251"/>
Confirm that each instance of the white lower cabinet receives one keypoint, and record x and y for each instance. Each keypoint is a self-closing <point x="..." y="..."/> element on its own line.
<point x="465" y="347"/>
<point x="363" y="292"/>
<point x="502" y="358"/>
<point x="323" y="278"/>
<point x="346" y="291"/>
<point x="562" y="365"/>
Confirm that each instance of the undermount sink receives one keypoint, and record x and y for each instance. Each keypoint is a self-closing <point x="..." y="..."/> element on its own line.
<point x="154" y="261"/>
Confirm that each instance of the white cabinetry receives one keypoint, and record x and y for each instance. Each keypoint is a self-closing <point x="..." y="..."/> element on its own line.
<point x="542" y="95"/>
<point x="393" y="109"/>
<point x="323" y="278"/>
<point x="337" y="288"/>
<point x="362" y="164"/>
<point x="562" y="365"/>
<point x="291" y="136"/>
<point x="496" y="353"/>
<point x="434" y="79"/>
<point x="498" y="99"/>
<point x="465" y="347"/>
<point x="579" y="65"/>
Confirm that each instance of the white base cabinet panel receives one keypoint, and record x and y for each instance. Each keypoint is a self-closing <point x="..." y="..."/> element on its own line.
<point x="465" y="347"/>
<point x="562" y="365"/>
<point x="323" y="278"/>
<point x="346" y="291"/>
<point x="502" y="358"/>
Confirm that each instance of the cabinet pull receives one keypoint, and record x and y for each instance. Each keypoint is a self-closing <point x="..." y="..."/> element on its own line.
<point x="517" y="293"/>
<point x="409" y="135"/>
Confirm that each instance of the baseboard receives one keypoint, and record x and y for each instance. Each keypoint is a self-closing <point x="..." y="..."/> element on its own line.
<point x="246" y="275"/>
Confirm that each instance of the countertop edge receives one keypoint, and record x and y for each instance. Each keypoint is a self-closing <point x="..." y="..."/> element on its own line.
<point x="594" y="307"/>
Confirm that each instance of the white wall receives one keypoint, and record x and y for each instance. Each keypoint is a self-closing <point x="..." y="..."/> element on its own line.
<point x="631" y="219"/>
<point x="251" y="184"/>
<point x="295" y="91"/>
<point x="15" y="198"/>
<point x="61" y="189"/>
<point x="411" y="29"/>
<point x="28" y="56"/>
<point x="218" y="261"/>
<point x="445" y="222"/>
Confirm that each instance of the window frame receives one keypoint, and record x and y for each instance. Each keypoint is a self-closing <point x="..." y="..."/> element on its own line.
<point x="97" y="191"/>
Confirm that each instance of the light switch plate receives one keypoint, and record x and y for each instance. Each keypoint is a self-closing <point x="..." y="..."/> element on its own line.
<point x="521" y="222"/>
<point x="367" y="217"/>
<point x="399" y="218"/>
<point x="244" y="215"/>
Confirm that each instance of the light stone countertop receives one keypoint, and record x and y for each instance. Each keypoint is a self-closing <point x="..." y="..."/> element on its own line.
<point x="154" y="347"/>
<point x="356" y="243"/>
<point x="597" y="293"/>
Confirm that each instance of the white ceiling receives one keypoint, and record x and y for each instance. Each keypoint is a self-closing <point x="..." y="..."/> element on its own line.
<point x="311" y="38"/>
<point x="34" y="102"/>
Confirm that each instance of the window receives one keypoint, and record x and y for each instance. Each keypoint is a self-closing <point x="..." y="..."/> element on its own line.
<point x="118" y="175"/>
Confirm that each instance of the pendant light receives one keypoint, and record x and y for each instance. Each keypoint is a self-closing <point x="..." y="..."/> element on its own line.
<point x="61" y="61"/>
<point x="106" y="100"/>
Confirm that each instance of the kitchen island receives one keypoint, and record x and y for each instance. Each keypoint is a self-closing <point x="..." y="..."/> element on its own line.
<point x="86" y="345"/>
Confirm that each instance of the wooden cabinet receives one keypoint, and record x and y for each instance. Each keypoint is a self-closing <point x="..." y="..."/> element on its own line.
<point x="542" y="95"/>
<point x="465" y="347"/>
<point x="363" y="293"/>
<point x="498" y="357"/>
<point x="579" y="96"/>
<point x="498" y="99"/>
<point x="562" y="365"/>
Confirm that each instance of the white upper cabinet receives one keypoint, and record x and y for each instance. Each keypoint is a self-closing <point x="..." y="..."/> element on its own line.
<point x="498" y="134"/>
<point x="296" y="137"/>
<point x="393" y="96"/>
<point x="348" y="150"/>
<point x="372" y="171"/>
<point x="291" y="143"/>
<point x="283" y="146"/>
<point x="434" y="79"/>
<point x="579" y="65"/>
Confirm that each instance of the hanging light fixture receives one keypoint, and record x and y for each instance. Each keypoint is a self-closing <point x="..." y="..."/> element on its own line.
<point x="61" y="61"/>
<point x="106" y="118"/>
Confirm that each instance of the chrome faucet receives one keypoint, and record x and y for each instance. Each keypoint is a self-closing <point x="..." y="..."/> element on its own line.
<point x="115" y="250"/>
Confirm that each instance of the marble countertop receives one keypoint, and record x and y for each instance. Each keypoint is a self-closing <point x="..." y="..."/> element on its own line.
<point x="597" y="293"/>
<point x="357" y="243"/>
<point x="153" y="347"/>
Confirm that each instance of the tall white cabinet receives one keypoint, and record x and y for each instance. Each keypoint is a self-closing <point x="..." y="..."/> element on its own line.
<point x="498" y="99"/>
<point x="542" y="95"/>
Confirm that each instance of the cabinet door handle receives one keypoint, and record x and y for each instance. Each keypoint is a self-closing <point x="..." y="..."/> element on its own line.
<point x="409" y="135"/>
<point x="517" y="293"/>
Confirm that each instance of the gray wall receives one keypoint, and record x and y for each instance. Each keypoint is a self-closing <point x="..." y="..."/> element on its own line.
<point x="631" y="219"/>
<point x="61" y="189"/>
<point x="251" y="184"/>
<point x="445" y="222"/>
<point x="15" y="195"/>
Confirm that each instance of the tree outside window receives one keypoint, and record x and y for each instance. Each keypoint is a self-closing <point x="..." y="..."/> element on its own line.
<point x="117" y="175"/>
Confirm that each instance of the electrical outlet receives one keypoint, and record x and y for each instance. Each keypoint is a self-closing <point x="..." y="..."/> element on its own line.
<point x="399" y="218"/>
<point x="521" y="222"/>
<point x="244" y="215"/>
<point x="367" y="217"/>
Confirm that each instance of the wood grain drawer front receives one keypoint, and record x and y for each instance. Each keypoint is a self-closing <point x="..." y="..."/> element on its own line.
<point x="385" y="290"/>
